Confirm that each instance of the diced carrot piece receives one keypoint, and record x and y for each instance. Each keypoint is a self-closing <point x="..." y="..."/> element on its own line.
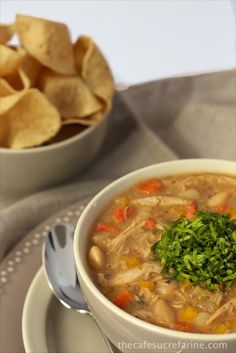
<point x="190" y="210"/>
<point x="222" y="208"/>
<point x="151" y="186"/>
<point x="123" y="299"/>
<point x="118" y="215"/>
<point x="129" y="212"/>
<point x="105" y="228"/>
<point x="150" y="223"/>
<point x="122" y="214"/>
<point x="181" y="326"/>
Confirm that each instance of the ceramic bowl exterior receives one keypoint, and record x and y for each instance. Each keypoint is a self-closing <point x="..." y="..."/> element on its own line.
<point x="29" y="170"/>
<point x="126" y="332"/>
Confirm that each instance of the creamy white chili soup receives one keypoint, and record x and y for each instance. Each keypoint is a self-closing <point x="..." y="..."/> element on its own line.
<point x="165" y="252"/>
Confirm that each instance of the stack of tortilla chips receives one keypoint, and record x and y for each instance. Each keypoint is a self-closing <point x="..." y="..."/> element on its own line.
<point x="48" y="82"/>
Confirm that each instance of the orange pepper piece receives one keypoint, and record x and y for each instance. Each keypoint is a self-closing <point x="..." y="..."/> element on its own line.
<point x="190" y="210"/>
<point x="186" y="327"/>
<point x="123" y="299"/>
<point x="122" y="214"/>
<point x="151" y="186"/>
<point x="150" y="223"/>
<point x="222" y="208"/>
<point x="105" y="228"/>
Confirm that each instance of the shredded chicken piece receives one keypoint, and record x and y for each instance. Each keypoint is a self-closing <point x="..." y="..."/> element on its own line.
<point x="178" y="300"/>
<point x="131" y="275"/>
<point x="164" y="200"/>
<point x="100" y="240"/>
<point x="159" y="312"/>
<point x="160" y="227"/>
<point x="227" y="307"/>
<point x="192" y="180"/>
<point x="147" y="201"/>
<point x="172" y="201"/>
<point x="170" y="291"/>
<point x="127" y="276"/>
<point x="142" y="245"/>
<point x="145" y="315"/>
<point x="144" y="212"/>
<point x="204" y="299"/>
<point x="101" y="279"/>
<point x="175" y="188"/>
<point x="147" y="296"/>
<point x="156" y="277"/>
<point x="227" y="180"/>
<point x="164" y="287"/>
<point x="217" y="298"/>
<point x="133" y="228"/>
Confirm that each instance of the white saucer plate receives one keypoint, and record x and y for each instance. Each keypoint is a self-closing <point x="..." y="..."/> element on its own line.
<point x="47" y="326"/>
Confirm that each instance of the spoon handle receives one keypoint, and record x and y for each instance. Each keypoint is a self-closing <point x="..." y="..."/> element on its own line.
<point x="110" y="346"/>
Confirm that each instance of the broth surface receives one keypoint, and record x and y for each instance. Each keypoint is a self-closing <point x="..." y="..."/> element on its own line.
<point x="126" y="271"/>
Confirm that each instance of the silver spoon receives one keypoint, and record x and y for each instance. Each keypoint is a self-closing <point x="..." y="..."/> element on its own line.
<point x="59" y="268"/>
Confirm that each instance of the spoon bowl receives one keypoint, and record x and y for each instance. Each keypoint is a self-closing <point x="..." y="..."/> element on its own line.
<point x="59" y="268"/>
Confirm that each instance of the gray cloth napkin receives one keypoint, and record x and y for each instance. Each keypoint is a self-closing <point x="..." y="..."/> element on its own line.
<point x="183" y="117"/>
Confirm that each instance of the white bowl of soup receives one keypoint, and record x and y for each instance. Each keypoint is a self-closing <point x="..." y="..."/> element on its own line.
<point x="155" y="253"/>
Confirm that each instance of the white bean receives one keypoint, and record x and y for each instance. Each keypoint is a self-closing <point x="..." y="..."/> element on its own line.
<point x="201" y="319"/>
<point x="164" y="314"/>
<point x="96" y="257"/>
<point x="191" y="194"/>
<point x="217" y="199"/>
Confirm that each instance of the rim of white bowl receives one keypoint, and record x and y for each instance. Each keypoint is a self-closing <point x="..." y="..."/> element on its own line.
<point x="106" y="302"/>
<point x="55" y="145"/>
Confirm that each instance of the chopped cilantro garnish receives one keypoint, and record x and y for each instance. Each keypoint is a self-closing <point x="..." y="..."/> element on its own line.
<point x="202" y="250"/>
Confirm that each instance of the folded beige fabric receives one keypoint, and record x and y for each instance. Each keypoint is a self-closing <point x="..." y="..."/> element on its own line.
<point x="184" y="117"/>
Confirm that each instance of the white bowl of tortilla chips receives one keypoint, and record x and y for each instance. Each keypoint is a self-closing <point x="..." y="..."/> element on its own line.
<point x="55" y="96"/>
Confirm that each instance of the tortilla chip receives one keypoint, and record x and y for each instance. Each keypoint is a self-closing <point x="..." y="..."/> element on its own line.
<point x="6" y="33"/>
<point x="90" y="120"/>
<point x="47" y="41"/>
<point x="9" y="101"/>
<point x="48" y="82"/>
<point x="5" y="88"/>
<point x="9" y="60"/>
<point x="27" y="72"/>
<point x="15" y="81"/>
<point x="70" y="95"/>
<point x="94" y="69"/>
<point x="4" y="131"/>
<point x="83" y="48"/>
<point x="33" y="121"/>
<point x="29" y="69"/>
